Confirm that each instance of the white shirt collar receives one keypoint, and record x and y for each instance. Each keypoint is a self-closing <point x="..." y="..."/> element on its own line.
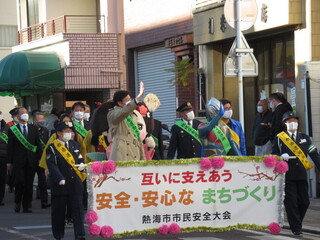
<point x="187" y="122"/>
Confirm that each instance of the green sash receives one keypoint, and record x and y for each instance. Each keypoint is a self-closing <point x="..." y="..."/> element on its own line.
<point x="42" y="144"/>
<point x="222" y="138"/>
<point x="193" y="132"/>
<point x="4" y="137"/>
<point x="133" y="127"/>
<point x="22" y="139"/>
<point x="156" y="141"/>
<point x="80" y="129"/>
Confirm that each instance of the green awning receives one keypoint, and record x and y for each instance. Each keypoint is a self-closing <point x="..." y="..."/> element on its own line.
<point x="26" y="72"/>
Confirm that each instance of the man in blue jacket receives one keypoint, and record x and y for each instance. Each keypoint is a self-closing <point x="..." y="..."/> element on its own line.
<point x="233" y="124"/>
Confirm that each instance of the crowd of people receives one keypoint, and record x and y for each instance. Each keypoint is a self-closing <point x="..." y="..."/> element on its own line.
<point x="56" y="147"/>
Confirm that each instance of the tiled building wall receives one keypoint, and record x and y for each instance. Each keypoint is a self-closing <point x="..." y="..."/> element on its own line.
<point x="315" y="29"/>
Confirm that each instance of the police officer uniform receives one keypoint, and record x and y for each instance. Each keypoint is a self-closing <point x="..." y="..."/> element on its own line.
<point x="296" y="183"/>
<point x="181" y="141"/>
<point x="70" y="192"/>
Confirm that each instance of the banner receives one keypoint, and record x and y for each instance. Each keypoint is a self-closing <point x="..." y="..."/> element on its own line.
<point x="141" y="196"/>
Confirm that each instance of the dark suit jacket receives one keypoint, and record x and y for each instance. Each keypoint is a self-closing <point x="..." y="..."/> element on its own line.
<point x="59" y="170"/>
<point x="157" y="132"/>
<point x="18" y="155"/>
<point x="3" y="144"/>
<point x="276" y="121"/>
<point x="184" y="143"/>
<point x="296" y="168"/>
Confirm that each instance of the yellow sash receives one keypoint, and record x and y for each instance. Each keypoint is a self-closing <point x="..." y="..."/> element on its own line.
<point x="288" y="141"/>
<point x="234" y="135"/>
<point x="103" y="142"/>
<point x="69" y="158"/>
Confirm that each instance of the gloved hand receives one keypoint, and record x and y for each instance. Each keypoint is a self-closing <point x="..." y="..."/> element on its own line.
<point x="221" y="110"/>
<point x="81" y="167"/>
<point x="62" y="182"/>
<point x="285" y="156"/>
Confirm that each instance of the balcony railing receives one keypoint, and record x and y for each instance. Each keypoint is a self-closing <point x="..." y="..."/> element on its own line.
<point x="63" y="24"/>
<point x="198" y="4"/>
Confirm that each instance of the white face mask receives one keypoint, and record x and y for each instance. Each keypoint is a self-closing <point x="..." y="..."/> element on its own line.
<point x="190" y="115"/>
<point x="259" y="109"/>
<point x="86" y="116"/>
<point x="227" y="114"/>
<point x="78" y="115"/>
<point x="66" y="136"/>
<point x="271" y="105"/>
<point x="25" y="117"/>
<point x="292" y="126"/>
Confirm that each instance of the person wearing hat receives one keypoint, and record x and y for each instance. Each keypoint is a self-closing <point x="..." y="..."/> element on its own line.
<point x="63" y="156"/>
<point x="184" y="135"/>
<point x="14" y="112"/>
<point x="294" y="147"/>
<point x="3" y="157"/>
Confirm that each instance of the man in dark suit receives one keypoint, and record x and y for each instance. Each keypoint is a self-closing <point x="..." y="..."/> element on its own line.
<point x="66" y="182"/>
<point x="39" y="122"/>
<point x="184" y="135"/>
<point x="157" y="135"/>
<point x="24" y="152"/>
<point x="3" y="157"/>
<point x="279" y="105"/>
<point x="294" y="147"/>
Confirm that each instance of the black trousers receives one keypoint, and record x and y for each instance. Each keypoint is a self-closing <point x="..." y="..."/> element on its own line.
<point x="42" y="184"/>
<point x="23" y="184"/>
<point x="58" y="213"/>
<point x="3" y="180"/>
<point x="296" y="202"/>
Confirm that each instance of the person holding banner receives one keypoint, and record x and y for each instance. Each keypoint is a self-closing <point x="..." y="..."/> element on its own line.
<point x="294" y="147"/>
<point x="66" y="182"/>
<point x="24" y="152"/>
<point x="184" y="135"/>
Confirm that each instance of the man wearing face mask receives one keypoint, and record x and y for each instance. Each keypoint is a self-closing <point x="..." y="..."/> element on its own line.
<point x="24" y="152"/>
<point x="14" y="112"/>
<point x="82" y="126"/>
<point x="3" y="157"/>
<point x="39" y="122"/>
<point x="261" y="129"/>
<point x="87" y="111"/>
<point x="233" y="124"/>
<point x="65" y="164"/>
<point x="294" y="147"/>
<point x="184" y="135"/>
<point x="279" y="105"/>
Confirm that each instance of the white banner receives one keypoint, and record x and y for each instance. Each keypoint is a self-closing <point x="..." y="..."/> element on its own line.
<point x="140" y="198"/>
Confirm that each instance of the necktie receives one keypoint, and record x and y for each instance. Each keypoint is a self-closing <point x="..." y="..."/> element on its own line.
<point x="293" y="137"/>
<point x="189" y="123"/>
<point x="66" y="144"/>
<point x="25" y="131"/>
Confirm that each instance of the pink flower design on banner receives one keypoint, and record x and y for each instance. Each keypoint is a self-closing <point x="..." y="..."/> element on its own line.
<point x="174" y="229"/>
<point x="106" y="231"/>
<point x="94" y="230"/>
<point x="91" y="217"/>
<point x="163" y="230"/>
<point x="281" y="167"/>
<point x="217" y="162"/>
<point x="109" y="167"/>
<point x="274" y="228"/>
<point x="270" y="161"/>
<point x="205" y="164"/>
<point x="96" y="168"/>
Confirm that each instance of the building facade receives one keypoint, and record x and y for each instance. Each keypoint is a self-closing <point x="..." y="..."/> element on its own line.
<point x="159" y="33"/>
<point x="86" y="38"/>
<point x="285" y="41"/>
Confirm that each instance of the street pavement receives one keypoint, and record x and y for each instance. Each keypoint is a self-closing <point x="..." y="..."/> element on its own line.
<point x="37" y="226"/>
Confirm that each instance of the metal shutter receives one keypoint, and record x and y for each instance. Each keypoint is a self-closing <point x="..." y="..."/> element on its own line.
<point x="150" y="64"/>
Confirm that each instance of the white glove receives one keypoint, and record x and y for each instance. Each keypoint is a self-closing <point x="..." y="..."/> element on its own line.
<point x="62" y="182"/>
<point x="285" y="156"/>
<point x="81" y="167"/>
<point x="141" y="93"/>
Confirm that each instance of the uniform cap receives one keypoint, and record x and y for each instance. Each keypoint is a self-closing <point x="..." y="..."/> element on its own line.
<point x="14" y="111"/>
<point x="62" y="125"/>
<point x="289" y="115"/>
<point x="186" y="106"/>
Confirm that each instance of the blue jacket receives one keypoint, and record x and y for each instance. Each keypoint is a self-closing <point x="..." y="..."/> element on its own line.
<point x="236" y="126"/>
